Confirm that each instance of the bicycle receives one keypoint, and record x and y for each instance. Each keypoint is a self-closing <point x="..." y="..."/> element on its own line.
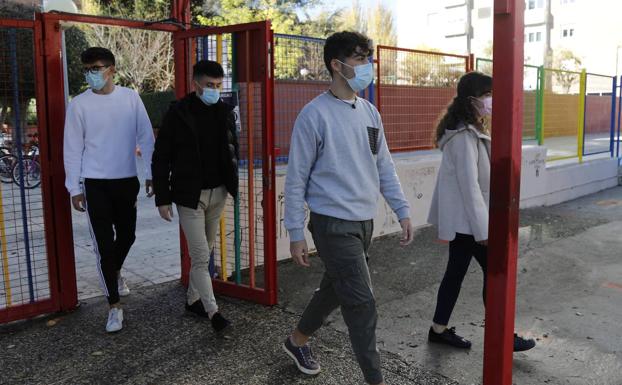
<point x="30" y="170"/>
<point x="7" y="163"/>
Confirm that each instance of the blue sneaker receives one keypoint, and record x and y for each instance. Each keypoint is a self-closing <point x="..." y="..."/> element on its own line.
<point x="303" y="357"/>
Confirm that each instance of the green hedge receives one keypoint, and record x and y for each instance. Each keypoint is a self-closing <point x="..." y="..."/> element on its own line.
<point x="157" y="103"/>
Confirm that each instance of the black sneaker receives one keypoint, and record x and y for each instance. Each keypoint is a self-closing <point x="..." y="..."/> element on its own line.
<point x="449" y="337"/>
<point x="303" y="357"/>
<point x="197" y="308"/>
<point x="219" y="323"/>
<point x="522" y="344"/>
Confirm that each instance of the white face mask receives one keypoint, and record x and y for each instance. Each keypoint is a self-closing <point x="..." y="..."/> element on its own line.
<point x="483" y="105"/>
<point x="363" y="76"/>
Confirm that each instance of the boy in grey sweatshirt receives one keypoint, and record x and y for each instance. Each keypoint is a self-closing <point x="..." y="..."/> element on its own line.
<point x="339" y="164"/>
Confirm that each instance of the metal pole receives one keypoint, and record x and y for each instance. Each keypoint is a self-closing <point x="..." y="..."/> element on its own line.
<point x="540" y="106"/>
<point x="581" y="115"/>
<point x="469" y="32"/>
<point x="507" y="120"/>
<point x="613" y="116"/>
<point x="17" y="127"/>
<point x="619" y="117"/>
<point x="617" y="58"/>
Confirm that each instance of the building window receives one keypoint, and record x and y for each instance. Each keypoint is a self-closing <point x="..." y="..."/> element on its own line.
<point x="533" y="4"/>
<point x="484" y="13"/>
<point x="531" y="37"/>
<point x="565" y="2"/>
<point x="567" y="32"/>
<point x="538" y="36"/>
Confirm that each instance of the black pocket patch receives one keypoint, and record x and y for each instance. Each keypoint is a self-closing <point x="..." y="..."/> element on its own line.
<point x="372" y="134"/>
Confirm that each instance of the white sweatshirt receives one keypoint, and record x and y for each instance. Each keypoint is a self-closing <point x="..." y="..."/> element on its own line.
<point x="101" y="135"/>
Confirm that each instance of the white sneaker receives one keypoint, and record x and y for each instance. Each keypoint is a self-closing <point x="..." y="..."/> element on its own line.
<point x="115" y="320"/>
<point x="124" y="291"/>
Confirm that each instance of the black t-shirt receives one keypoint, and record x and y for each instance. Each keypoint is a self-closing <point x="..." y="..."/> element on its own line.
<point x="210" y="144"/>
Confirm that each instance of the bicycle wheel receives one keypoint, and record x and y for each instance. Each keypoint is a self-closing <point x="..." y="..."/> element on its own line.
<point x="7" y="162"/>
<point x="32" y="173"/>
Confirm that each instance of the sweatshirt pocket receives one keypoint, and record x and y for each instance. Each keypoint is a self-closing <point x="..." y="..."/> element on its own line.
<point x="372" y="134"/>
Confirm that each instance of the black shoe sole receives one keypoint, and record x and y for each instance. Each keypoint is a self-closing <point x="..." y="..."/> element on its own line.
<point x="524" y="348"/>
<point x="439" y="340"/>
<point x="221" y="329"/>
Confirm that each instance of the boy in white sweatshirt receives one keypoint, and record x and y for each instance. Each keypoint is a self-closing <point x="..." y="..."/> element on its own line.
<point x="103" y="127"/>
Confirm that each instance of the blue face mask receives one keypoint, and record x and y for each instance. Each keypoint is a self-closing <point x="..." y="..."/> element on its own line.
<point x="363" y="76"/>
<point x="210" y="96"/>
<point x="95" y="80"/>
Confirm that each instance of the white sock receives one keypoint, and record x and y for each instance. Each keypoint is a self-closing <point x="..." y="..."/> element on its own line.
<point x="438" y="329"/>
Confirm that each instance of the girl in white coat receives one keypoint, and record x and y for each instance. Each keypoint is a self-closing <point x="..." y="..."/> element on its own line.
<point x="460" y="202"/>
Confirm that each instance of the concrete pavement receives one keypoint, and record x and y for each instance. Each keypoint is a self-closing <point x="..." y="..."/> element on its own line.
<point x="569" y="298"/>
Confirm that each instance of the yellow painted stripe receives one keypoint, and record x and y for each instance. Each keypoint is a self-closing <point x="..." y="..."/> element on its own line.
<point x="219" y="48"/>
<point x="5" y="254"/>
<point x="581" y="115"/>
<point x="561" y="157"/>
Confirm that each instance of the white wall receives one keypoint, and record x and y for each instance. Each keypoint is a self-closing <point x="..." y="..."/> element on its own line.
<point x="541" y="184"/>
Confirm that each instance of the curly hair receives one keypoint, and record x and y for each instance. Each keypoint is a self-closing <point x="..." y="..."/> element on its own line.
<point x="461" y="109"/>
<point x="344" y="44"/>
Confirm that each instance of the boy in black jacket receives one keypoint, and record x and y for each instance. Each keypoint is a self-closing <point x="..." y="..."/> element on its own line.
<point x="195" y="165"/>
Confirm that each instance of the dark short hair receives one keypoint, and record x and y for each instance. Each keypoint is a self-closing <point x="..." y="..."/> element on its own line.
<point x="207" y="68"/>
<point x="93" y="54"/>
<point x="342" y="45"/>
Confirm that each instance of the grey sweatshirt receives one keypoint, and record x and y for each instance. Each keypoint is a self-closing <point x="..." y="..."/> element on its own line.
<point x="339" y="162"/>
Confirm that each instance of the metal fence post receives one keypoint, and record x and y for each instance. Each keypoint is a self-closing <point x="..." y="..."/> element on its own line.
<point x="507" y="124"/>
<point x="614" y="88"/>
<point x="370" y="89"/>
<point x="619" y="113"/>
<point x="581" y="115"/>
<point x="540" y="106"/>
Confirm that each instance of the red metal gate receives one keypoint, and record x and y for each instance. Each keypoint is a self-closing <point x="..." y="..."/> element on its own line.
<point x="28" y="237"/>
<point x="246" y="254"/>
<point x="43" y="272"/>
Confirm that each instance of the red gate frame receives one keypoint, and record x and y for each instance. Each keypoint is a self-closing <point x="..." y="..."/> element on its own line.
<point x="47" y="33"/>
<point x="54" y="303"/>
<point x="54" y="97"/>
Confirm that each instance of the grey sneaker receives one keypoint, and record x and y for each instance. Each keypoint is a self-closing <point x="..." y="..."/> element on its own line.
<point x="303" y="357"/>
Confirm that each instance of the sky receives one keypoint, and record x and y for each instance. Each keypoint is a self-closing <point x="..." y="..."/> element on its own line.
<point x="407" y="16"/>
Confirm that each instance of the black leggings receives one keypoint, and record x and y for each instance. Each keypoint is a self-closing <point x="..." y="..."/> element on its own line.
<point x="461" y="249"/>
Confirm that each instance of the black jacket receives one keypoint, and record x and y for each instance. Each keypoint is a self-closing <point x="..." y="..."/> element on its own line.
<point x="176" y="161"/>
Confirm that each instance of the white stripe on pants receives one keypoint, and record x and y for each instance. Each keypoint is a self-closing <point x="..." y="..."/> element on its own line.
<point x="200" y="227"/>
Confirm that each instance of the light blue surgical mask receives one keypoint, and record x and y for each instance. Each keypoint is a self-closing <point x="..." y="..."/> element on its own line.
<point x="210" y="96"/>
<point x="95" y="80"/>
<point x="363" y="76"/>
